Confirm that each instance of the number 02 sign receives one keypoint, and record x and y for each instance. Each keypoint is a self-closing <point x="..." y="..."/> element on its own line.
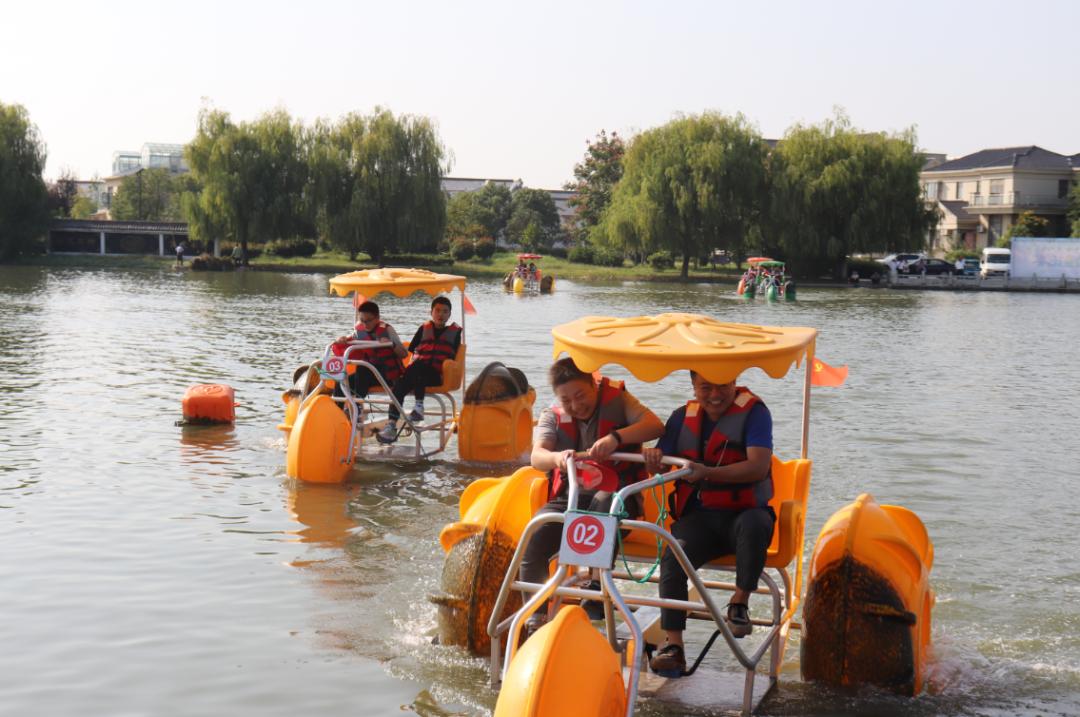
<point x="588" y="540"/>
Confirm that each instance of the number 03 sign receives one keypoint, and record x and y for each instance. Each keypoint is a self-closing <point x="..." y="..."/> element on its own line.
<point x="588" y="540"/>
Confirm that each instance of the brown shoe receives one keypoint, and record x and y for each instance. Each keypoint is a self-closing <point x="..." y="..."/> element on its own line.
<point x="669" y="661"/>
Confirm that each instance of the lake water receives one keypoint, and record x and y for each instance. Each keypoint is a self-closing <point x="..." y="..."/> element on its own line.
<point x="149" y="569"/>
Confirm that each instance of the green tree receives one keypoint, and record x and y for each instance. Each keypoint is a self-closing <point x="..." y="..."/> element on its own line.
<point x="484" y="212"/>
<point x="147" y="195"/>
<point x="251" y="178"/>
<point x="24" y="213"/>
<point x="1028" y="224"/>
<point x="533" y="206"/>
<point x="62" y="194"/>
<point x="595" y="178"/>
<point x="83" y="207"/>
<point x="376" y="183"/>
<point x="837" y="191"/>
<point x="689" y="186"/>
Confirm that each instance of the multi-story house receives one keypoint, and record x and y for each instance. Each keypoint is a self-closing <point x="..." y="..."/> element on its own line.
<point x="981" y="195"/>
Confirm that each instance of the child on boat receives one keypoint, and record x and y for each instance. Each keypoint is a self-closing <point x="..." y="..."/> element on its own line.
<point x="600" y="417"/>
<point x="386" y="358"/>
<point x="434" y="342"/>
<point x="722" y="507"/>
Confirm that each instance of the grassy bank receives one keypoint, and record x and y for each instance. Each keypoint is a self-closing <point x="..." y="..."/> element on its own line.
<point x="337" y="262"/>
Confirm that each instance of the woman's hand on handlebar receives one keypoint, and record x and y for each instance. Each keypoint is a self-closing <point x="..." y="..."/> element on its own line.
<point x="603" y="448"/>
<point x="562" y="458"/>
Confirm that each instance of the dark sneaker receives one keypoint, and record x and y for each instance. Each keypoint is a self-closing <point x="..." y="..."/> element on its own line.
<point x="593" y="608"/>
<point x="417" y="415"/>
<point x="670" y="661"/>
<point x="738" y="619"/>
<point x="536" y="621"/>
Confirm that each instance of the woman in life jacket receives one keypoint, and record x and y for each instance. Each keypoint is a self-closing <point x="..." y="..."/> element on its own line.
<point x="386" y="358"/>
<point x="596" y="417"/>
<point x="722" y="507"/>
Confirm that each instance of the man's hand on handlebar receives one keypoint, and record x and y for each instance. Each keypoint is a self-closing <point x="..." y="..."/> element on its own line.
<point x="654" y="456"/>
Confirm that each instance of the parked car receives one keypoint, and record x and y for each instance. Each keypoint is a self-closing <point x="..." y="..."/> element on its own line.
<point x="971" y="267"/>
<point x="939" y="266"/>
<point x="995" y="262"/>
<point x="910" y="258"/>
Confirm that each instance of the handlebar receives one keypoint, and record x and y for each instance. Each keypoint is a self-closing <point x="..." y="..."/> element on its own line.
<point x="682" y="464"/>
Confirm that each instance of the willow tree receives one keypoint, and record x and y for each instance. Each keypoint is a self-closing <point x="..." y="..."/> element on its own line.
<point x="24" y="212"/>
<point x="690" y="186"/>
<point x="376" y="183"/>
<point x="252" y="177"/>
<point x="838" y="191"/>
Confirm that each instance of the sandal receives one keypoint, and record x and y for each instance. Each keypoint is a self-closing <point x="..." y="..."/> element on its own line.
<point x="738" y="619"/>
<point x="670" y="661"/>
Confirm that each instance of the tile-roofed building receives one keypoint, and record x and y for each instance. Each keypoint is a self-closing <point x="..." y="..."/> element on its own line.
<point x="981" y="195"/>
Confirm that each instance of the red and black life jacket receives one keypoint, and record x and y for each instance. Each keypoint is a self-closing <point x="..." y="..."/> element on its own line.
<point x="611" y="410"/>
<point x="437" y="350"/>
<point x="382" y="357"/>
<point x="724" y="446"/>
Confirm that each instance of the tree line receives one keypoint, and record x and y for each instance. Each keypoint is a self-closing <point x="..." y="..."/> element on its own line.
<point x="710" y="182"/>
<point x="372" y="183"/>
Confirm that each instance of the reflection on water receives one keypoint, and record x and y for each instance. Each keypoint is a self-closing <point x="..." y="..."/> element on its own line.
<point x="142" y="559"/>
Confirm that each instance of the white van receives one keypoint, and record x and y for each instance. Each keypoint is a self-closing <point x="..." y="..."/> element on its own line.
<point x="995" y="262"/>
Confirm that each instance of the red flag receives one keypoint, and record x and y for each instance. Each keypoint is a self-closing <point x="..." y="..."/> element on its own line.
<point x="822" y="374"/>
<point x="358" y="299"/>
<point x="469" y="308"/>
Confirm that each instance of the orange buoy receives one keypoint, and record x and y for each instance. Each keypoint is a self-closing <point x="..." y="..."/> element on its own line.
<point x="209" y="403"/>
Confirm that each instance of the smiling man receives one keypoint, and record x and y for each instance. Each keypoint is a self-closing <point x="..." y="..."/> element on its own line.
<point x="722" y="507"/>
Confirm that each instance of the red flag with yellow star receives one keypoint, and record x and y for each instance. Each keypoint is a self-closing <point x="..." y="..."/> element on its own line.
<point x="822" y="374"/>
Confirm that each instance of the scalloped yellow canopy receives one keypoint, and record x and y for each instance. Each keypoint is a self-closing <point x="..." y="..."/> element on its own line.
<point x="399" y="282"/>
<point x="651" y="347"/>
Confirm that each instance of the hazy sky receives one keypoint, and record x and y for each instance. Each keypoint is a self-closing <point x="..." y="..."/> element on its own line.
<point x="517" y="89"/>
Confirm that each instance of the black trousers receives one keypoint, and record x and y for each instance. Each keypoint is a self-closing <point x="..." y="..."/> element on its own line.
<point x="708" y="534"/>
<point x="416" y="379"/>
<point x="546" y="540"/>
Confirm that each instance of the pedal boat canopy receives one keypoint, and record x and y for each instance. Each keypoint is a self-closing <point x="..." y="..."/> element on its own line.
<point x="651" y="347"/>
<point x="399" y="282"/>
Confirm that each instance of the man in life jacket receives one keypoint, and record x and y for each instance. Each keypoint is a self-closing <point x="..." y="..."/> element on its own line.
<point x="434" y="342"/>
<point x="722" y="507"/>
<point x="595" y="417"/>
<point x="386" y="359"/>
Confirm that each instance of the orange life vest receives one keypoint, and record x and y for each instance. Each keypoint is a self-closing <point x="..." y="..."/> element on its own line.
<point x="437" y="350"/>
<point x="611" y="410"/>
<point x="724" y="446"/>
<point x="382" y="357"/>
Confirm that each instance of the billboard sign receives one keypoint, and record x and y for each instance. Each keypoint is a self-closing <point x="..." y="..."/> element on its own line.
<point x="1045" y="258"/>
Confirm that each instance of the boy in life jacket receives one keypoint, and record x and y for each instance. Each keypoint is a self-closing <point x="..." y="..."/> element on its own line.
<point x="386" y="359"/>
<point x="600" y="418"/>
<point x="434" y="342"/>
<point x="722" y="507"/>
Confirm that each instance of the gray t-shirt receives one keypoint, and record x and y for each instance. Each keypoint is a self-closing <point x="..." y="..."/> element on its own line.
<point x="546" y="432"/>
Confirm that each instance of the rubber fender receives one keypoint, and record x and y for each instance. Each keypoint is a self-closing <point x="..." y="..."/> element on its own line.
<point x="566" y="669"/>
<point x="741" y="287"/>
<point x="519" y="285"/>
<point x="772" y="294"/>
<point x="319" y="443"/>
<point x="866" y="618"/>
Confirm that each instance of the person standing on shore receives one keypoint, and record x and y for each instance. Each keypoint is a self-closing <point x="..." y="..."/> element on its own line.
<point x="180" y="253"/>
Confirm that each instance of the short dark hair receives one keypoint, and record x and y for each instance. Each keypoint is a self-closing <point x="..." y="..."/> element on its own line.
<point x="369" y="307"/>
<point x="564" y="371"/>
<point x="441" y="300"/>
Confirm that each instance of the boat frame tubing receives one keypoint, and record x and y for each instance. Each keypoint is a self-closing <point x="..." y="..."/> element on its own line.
<point x="559" y="585"/>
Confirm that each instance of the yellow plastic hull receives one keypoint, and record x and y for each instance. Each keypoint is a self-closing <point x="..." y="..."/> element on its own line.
<point x="566" y="668"/>
<point x="498" y="431"/>
<point x="866" y="618"/>
<point x="494" y="512"/>
<point x="319" y="443"/>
